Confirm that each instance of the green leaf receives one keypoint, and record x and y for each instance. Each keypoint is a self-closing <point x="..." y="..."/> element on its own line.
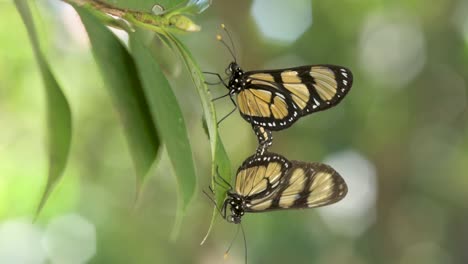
<point x="59" y="122"/>
<point x="220" y="159"/>
<point x="121" y="79"/>
<point x="170" y="121"/>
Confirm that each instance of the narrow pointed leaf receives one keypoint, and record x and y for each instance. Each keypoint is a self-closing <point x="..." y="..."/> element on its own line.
<point x="121" y="79"/>
<point x="170" y="121"/>
<point x="220" y="159"/>
<point x="59" y="120"/>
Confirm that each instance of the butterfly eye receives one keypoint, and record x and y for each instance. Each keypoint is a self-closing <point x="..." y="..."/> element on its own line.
<point x="232" y="68"/>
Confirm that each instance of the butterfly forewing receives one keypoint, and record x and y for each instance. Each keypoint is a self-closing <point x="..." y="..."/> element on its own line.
<point x="277" y="98"/>
<point x="305" y="185"/>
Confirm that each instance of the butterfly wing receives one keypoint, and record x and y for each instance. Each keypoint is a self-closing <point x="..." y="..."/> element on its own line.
<point x="265" y="104"/>
<point x="305" y="185"/>
<point x="261" y="175"/>
<point x="277" y="98"/>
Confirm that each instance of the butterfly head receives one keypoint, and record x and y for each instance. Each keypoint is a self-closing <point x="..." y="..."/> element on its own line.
<point x="236" y="204"/>
<point x="236" y="80"/>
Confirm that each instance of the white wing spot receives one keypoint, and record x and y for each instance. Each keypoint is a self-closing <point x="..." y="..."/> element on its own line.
<point x="280" y="95"/>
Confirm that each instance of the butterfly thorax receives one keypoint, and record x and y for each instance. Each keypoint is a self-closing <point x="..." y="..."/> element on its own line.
<point x="236" y="79"/>
<point x="237" y="205"/>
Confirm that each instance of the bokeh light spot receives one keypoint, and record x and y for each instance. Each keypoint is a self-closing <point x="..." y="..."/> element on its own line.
<point x="282" y="20"/>
<point x="392" y="49"/>
<point x="20" y="243"/>
<point x="70" y="239"/>
<point x="355" y="213"/>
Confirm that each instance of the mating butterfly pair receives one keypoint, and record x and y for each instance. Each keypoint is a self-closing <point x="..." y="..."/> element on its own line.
<point x="272" y="100"/>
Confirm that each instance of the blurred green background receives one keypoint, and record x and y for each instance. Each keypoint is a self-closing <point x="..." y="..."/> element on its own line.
<point x="399" y="139"/>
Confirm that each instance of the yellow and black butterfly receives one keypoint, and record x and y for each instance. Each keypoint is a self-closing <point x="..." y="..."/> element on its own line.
<point x="271" y="182"/>
<point x="275" y="99"/>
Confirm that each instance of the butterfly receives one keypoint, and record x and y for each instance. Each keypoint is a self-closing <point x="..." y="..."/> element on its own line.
<point x="276" y="99"/>
<point x="271" y="182"/>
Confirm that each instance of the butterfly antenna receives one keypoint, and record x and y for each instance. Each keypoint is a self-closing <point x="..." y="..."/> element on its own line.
<point x="226" y="253"/>
<point x="230" y="40"/>
<point x="245" y="242"/>
<point x="219" y="38"/>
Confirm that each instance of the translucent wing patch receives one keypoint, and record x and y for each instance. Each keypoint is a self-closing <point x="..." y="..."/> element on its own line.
<point x="255" y="103"/>
<point x="262" y="77"/>
<point x="299" y="93"/>
<point x="326" y="188"/>
<point x="325" y="82"/>
<point x="290" y="76"/>
<point x="328" y="86"/>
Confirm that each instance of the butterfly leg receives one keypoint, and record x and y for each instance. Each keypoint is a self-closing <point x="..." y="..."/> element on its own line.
<point x="221" y="80"/>
<point x="232" y="111"/>
<point x="224" y="180"/>
<point x="265" y="139"/>
<point x="222" y="96"/>
<point x="213" y="201"/>
<point x="223" y="210"/>
<point x="222" y="184"/>
<point x="212" y="83"/>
